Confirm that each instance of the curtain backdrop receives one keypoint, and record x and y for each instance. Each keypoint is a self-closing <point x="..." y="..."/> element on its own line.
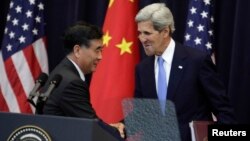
<point x="232" y="28"/>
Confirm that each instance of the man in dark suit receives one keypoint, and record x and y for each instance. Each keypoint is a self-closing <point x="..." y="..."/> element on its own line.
<point x="83" y="44"/>
<point x="192" y="83"/>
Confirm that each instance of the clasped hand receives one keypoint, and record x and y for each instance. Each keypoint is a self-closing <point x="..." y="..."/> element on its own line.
<point x="120" y="127"/>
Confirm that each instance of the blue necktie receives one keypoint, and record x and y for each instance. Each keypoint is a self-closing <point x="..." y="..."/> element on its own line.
<point x="162" y="84"/>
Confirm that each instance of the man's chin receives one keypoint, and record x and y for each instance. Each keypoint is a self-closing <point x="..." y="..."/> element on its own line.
<point x="149" y="53"/>
<point x="93" y="69"/>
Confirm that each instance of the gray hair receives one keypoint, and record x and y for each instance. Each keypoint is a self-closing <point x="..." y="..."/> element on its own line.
<point x="159" y="14"/>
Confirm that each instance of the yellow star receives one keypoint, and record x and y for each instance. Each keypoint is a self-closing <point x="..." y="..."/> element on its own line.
<point x="106" y="39"/>
<point x="124" y="46"/>
<point x="111" y="3"/>
<point x="131" y="0"/>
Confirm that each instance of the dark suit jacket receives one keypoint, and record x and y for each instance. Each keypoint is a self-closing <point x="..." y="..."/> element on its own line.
<point x="71" y="97"/>
<point x="195" y="89"/>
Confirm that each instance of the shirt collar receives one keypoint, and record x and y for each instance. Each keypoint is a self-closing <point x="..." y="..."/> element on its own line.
<point x="168" y="54"/>
<point x="78" y="69"/>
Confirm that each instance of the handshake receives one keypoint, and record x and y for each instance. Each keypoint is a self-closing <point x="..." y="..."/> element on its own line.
<point x="120" y="127"/>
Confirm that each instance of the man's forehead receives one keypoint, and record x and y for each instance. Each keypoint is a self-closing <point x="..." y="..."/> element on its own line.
<point x="96" y="43"/>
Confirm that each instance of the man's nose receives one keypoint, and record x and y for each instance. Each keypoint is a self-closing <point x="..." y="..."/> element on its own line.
<point x="99" y="56"/>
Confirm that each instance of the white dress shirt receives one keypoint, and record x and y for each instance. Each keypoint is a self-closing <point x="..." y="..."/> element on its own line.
<point x="167" y="57"/>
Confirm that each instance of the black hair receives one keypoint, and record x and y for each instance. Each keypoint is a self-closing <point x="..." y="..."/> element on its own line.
<point x="80" y="34"/>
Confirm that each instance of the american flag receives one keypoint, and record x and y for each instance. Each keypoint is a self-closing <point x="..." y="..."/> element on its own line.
<point x="23" y="54"/>
<point x="199" y="27"/>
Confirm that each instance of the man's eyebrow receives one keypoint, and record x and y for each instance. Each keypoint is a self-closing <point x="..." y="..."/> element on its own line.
<point x="99" y="47"/>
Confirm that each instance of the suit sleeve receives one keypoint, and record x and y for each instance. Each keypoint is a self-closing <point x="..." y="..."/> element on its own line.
<point x="75" y="100"/>
<point x="137" y="92"/>
<point x="216" y="93"/>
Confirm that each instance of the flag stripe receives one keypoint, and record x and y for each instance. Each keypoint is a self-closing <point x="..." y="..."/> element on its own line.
<point x="3" y="104"/>
<point x="40" y="51"/>
<point x="23" y="71"/>
<point x="7" y="90"/>
<point x="34" y="66"/>
<point x="18" y="89"/>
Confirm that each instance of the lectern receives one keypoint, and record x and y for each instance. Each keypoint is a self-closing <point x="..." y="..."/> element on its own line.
<point x="23" y="127"/>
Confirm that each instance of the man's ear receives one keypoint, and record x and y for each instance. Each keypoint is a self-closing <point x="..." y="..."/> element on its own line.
<point x="76" y="51"/>
<point x="166" y="31"/>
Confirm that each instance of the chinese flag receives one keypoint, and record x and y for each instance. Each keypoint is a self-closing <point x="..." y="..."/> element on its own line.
<point x="114" y="78"/>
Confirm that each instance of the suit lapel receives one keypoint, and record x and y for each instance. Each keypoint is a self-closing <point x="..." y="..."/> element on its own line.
<point x="69" y="65"/>
<point x="177" y="69"/>
<point x="151" y="76"/>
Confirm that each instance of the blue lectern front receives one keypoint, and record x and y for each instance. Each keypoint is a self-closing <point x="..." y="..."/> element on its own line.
<point x="24" y="127"/>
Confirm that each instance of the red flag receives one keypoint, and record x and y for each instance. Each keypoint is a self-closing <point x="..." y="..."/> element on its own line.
<point x="23" y="54"/>
<point x="114" y="78"/>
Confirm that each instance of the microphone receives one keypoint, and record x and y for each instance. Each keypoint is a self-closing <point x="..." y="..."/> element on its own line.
<point x="38" y="84"/>
<point x="55" y="81"/>
<point x="44" y="96"/>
